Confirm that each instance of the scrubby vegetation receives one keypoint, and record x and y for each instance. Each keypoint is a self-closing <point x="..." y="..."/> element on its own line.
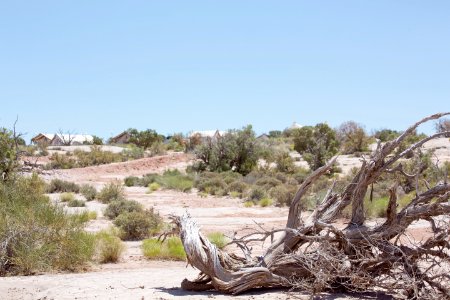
<point x="111" y="192"/>
<point x="62" y="186"/>
<point x="76" y="203"/>
<point x="154" y="186"/>
<point x="109" y="247"/>
<point x="96" y="156"/>
<point x="170" y="249"/>
<point x="316" y="144"/>
<point x="88" y="191"/>
<point x="237" y="150"/>
<point x="170" y="179"/>
<point x="218" y="239"/>
<point x="36" y="235"/>
<point x="137" y="225"/>
<point x="66" y="197"/>
<point x="8" y="153"/>
<point x="117" y="207"/>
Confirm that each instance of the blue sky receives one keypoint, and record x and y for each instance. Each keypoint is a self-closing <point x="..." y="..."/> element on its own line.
<point x="103" y="66"/>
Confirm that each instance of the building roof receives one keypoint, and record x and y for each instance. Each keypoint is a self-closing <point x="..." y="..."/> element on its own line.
<point x="120" y="135"/>
<point x="75" y="138"/>
<point x="207" y="133"/>
<point x="49" y="136"/>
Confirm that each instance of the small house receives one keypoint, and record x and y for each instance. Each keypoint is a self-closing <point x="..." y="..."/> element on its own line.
<point x="263" y="137"/>
<point x="43" y="139"/>
<point x="122" y="138"/>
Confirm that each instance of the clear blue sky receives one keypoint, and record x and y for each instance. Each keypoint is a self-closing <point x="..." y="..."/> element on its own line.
<point x="103" y="66"/>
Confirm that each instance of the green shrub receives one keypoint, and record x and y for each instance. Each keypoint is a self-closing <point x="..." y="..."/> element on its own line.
<point x="171" y="249"/>
<point x="88" y="191"/>
<point x="96" y="156"/>
<point x="213" y="186"/>
<point x="218" y="239"/>
<point x="249" y="204"/>
<point x="257" y="194"/>
<point x="109" y="247"/>
<point x="253" y="176"/>
<point x="172" y="172"/>
<point x="238" y="187"/>
<point x="285" y="163"/>
<point x="148" y="179"/>
<point x="171" y="179"/>
<point x="235" y="150"/>
<point x="131" y="181"/>
<point x="86" y="216"/>
<point x="265" y="202"/>
<point x="76" y="203"/>
<point x="316" y="144"/>
<point x="301" y="174"/>
<point x="230" y="176"/>
<point x="66" y="197"/>
<point x="40" y="235"/>
<point x="61" y="161"/>
<point x="174" y="180"/>
<point x="110" y="192"/>
<point x="137" y="225"/>
<point x="118" y="207"/>
<point x="132" y="152"/>
<point x="267" y="182"/>
<point x="234" y="194"/>
<point x="283" y="194"/>
<point x="62" y="186"/>
<point x="153" y="187"/>
<point x="376" y="207"/>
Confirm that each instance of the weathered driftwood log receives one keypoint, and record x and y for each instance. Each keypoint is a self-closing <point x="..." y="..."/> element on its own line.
<point x="314" y="255"/>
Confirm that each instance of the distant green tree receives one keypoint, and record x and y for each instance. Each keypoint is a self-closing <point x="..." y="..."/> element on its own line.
<point x="236" y="150"/>
<point x="97" y="140"/>
<point x="20" y="141"/>
<point x="443" y="125"/>
<point x="352" y="137"/>
<point x="275" y="133"/>
<point x="316" y="144"/>
<point x="385" y="135"/>
<point x="144" y="139"/>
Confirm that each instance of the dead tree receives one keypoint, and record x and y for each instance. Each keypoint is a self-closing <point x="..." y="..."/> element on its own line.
<point x="314" y="255"/>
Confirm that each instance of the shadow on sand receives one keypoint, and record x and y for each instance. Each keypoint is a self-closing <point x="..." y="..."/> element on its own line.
<point x="178" y="292"/>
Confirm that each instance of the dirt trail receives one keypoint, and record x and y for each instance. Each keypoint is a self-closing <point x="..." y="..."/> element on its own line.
<point x="138" y="167"/>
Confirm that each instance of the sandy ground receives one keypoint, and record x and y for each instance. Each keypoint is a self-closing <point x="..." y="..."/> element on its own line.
<point x="134" y="277"/>
<point x="156" y="280"/>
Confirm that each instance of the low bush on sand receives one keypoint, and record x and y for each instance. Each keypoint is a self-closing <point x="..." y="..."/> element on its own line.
<point x="170" y="179"/>
<point x="88" y="191"/>
<point x="66" y="197"/>
<point x="154" y="186"/>
<point x="109" y="247"/>
<point x="62" y="186"/>
<point x="170" y="249"/>
<point x="117" y="207"/>
<point x="218" y="239"/>
<point x="76" y="203"/>
<point x="137" y="225"/>
<point x="264" y="202"/>
<point x="110" y="192"/>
